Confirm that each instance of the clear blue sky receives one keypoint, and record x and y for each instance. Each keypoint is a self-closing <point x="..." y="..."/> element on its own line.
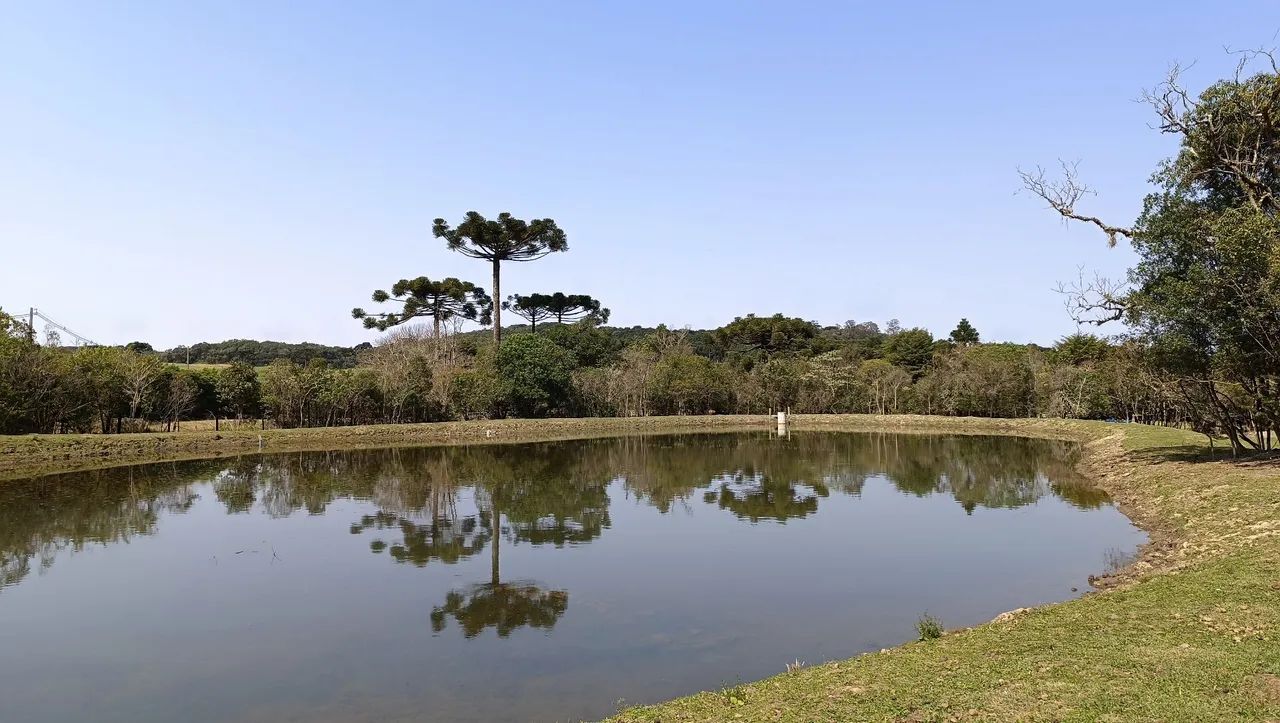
<point x="178" y="172"/>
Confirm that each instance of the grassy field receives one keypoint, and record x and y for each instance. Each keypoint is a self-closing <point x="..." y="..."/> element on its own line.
<point x="207" y="425"/>
<point x="1189" y="632"/>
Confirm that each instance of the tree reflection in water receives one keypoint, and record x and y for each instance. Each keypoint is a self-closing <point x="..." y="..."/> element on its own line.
<point x="447" y="504"/>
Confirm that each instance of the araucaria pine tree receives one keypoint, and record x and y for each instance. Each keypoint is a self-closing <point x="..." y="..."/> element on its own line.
<point x="562" y="307"/>
<point x="505" y="239"/>
<point x="423" y="298"/>
<point x="964" y="334"/>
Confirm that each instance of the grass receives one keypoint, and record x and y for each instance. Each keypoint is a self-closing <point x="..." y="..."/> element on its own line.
<point x="207" y="425"/>
<point x="1188" y="632"/>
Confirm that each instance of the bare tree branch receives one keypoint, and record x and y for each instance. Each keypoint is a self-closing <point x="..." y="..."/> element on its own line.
<point x="1095" y="301"/>
<point x="1062" y="196"/>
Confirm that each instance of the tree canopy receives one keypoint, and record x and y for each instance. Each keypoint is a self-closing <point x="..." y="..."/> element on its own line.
<point x="439" y="301"/>
<point x="532" y="308"/>
<point x="964" y="333"/>
<point x="572" y="307"/>
<point x="751" y="338"/>
<point x="559" y="306"/>
<point x="506" y="238"/>
<point x="1204" y="297"/>
<point x="911" y="349"/>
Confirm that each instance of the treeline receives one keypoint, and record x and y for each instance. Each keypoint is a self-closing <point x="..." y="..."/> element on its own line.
<point x="753" y="365"/>
<point x="257" y="353"/>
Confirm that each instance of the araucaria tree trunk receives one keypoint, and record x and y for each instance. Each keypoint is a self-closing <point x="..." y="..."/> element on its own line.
<point x="497" y="307"/>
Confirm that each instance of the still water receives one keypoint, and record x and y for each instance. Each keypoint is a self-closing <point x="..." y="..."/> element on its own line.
<point x="540" y="582"/>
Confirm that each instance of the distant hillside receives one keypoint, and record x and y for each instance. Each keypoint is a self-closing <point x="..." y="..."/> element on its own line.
<point x="262" y="353"/>
<point x="699" y="338"/>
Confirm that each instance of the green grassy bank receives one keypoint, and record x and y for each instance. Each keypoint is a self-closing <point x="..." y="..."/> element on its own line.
<point x="1189" y="632"/>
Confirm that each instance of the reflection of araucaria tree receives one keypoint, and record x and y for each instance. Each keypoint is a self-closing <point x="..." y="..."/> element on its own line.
<point x="504" y="607"/>
<point x="537" y="498"/>
<point x="439" y="301"/>
<point x="505" y="239"/>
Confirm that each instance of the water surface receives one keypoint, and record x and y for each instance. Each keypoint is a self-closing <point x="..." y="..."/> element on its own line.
<point x="524" y="582"/>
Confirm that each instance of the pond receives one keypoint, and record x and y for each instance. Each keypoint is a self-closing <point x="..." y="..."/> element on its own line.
<point x="544" y="582"/>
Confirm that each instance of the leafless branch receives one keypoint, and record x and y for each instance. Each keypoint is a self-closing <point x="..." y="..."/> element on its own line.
<point x="1212" y="138"/>
<point x="1063" y="194"/>
<point x="1094" y="301"/>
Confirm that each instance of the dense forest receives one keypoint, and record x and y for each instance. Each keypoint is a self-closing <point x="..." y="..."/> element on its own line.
<point x="1201" y="346"/>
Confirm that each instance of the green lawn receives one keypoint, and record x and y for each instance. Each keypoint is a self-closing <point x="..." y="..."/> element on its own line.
<point x="1188" y="633"/>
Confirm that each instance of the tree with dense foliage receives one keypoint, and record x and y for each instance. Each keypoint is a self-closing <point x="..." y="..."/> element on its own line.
<point x="964" y="334"/>
<point x="991" y="380"/>
<point x="238" y="390"/>
<point x="911" y="349"/>
<point x="505" y="239"/>
<point x="861" y="339"/>
<point x="590" y="345"/>
<point x="101" y="383"/>
<point x="535" y="374"/>
<point x="439" y="301"/>
<point x="749" y="339"/>
<point x="1204" y="296"/>
<point x="1080" y="348"/>
<point x="688" y="384"/>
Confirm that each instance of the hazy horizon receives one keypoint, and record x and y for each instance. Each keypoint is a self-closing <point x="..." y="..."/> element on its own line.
<point x="177" y="174"/>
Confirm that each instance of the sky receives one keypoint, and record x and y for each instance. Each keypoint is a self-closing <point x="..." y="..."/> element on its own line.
<point x="183" y="172"/>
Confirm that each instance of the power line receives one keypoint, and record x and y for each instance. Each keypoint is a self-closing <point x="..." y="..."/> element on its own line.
<point x="33" y="313"/>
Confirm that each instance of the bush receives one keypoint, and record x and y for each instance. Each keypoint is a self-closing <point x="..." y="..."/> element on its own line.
<point x="929" y="627"/>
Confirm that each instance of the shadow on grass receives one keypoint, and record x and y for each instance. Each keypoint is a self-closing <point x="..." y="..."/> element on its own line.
<point x="1201" y="453"/>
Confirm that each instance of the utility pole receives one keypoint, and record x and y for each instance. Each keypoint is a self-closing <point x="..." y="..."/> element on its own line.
<point x="31" y="324"/>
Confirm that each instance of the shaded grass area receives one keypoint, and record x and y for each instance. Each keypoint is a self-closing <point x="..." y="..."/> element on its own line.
<point x="1190" y="632"/>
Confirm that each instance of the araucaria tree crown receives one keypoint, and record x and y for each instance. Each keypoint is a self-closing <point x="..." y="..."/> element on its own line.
<point x="423" y="298"/>
<point x="504" y="239"/>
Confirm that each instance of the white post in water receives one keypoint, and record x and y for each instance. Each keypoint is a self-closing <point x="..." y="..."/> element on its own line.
<point x="782" y="419"/>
